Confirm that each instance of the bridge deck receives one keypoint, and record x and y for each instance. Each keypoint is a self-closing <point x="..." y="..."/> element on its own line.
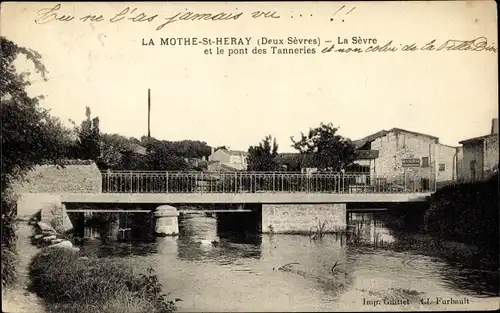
<point x="97" y="210"/>
<point x="264" y="198"/>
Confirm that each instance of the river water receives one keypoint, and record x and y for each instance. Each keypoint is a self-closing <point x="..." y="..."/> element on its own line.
<point x="240" y="274"/>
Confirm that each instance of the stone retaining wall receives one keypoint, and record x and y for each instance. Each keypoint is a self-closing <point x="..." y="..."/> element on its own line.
<point x="75" y="177"/>
<point x="302" y="218"/>
<point x="41" y="188"/>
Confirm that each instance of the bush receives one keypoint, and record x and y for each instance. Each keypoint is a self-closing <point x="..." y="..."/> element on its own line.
<point x="61" y="277"/>
<point x="466" y="213"/>
<point x="8" y="266"/>
<point x="8" y="238"/>
<point x="123" y="303"/>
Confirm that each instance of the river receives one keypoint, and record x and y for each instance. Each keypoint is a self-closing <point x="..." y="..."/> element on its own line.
<point x="241" y="274"/>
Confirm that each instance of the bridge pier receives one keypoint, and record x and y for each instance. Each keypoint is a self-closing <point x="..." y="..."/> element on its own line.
<point x="303" y="218"/>
<point x="166" y="221"/>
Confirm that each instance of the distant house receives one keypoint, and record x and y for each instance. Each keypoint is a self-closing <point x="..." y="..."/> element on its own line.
<point x="228" y="160"/>
<point x="138" y="149"/>
<point x="398" y="151"/>
<point x="196" y="162"/>
<point x="479" y="155"/>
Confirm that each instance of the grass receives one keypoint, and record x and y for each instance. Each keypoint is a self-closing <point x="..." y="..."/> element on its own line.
<point x="318" y="231"/>
<point x="124" y="303"/>
<point x="69" y="283"/>
<point x="9" y="272"/>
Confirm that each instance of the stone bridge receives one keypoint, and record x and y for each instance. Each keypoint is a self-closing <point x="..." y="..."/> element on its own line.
<point x="283" y="202"/>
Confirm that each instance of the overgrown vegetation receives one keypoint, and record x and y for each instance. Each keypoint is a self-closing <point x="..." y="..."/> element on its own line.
<point x="467" y="213"/>
<point x="318" y="231"/>
<point x="29" y="136"/>
<point x="69" y="283"/>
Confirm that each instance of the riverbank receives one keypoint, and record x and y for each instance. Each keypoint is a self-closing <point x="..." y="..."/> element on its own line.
<point x="54" y="277"/>
<point x="71" y="283"/>
<point x="467" y="213"/>
<point x="469" y="256"/>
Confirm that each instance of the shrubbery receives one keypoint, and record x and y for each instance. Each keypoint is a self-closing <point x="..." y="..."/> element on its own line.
<point x="8" y="266"/>
<point x="466" y="213"/>
<point x="8" y="255"/>
<point x="69" y="283"/>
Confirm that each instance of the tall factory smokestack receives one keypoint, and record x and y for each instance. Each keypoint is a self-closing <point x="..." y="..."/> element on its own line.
<point x="149" y="113"/>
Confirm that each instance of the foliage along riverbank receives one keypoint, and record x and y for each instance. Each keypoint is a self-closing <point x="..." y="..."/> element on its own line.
<point x="68" y="282"/>
<point x="466" y="213"/>
<point x="460" y="225"/>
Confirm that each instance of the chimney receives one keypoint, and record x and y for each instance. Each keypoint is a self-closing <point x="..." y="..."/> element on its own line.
<point x="494" y="126"/>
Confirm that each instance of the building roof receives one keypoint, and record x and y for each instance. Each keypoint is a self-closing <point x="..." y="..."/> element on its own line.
<point x="227" y="167"/>
<point x="358" y="155"/>
<point x="470" y="140"/>
<point x="138" y="149"/>
<point x="449" y="146"/>
<point x="363" y="141"/>
<point x="234" y="152"/>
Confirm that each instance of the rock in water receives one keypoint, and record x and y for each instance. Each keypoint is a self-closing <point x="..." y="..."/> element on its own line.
<point x="49" y="238"/>
<point x="45" y="227"/>
<point x="64" y="244"/>
<point x="35" y="218"/>
<point x="58" y="218"/>
<point x="54" y="241"/>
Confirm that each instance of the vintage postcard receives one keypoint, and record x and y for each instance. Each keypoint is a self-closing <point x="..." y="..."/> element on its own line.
<point x="249" y="156"/>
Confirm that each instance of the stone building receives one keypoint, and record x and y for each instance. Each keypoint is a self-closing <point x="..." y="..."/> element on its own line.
<point x="479" y="156"/>
<point x="404" y="155"/>
<point x="223" y="159"/>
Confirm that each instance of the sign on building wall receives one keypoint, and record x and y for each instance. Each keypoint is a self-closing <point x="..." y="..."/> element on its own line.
<point x="411" y="162"/>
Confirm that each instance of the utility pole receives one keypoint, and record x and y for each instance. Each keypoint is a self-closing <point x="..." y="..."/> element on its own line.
<point x="149" y="114"/>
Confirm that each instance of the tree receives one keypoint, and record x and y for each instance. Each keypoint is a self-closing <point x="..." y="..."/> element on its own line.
<point x="263" y="156"/>
<point x="292" y="162"/>
<point x="162" y="157"/>
<point x="324" y="149"/>
<point x="120" y="153"/>
<point x="89" y="147"/>
<point x="30" y="136"/>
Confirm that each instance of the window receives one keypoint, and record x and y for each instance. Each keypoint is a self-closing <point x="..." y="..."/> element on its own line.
<point x="442" y="167"/>
<point x="425" y="162"/>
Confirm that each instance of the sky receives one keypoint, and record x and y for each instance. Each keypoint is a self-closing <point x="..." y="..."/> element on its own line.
<point x="237" y="100"/>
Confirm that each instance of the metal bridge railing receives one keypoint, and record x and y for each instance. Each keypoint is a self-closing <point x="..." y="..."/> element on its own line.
<point x="256" y="182"/>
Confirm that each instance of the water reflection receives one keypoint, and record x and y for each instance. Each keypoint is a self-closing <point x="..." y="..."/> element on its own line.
<point x="199" y="240"/>
<point x="373" y="227"/>
<point x="244" y="269"/>
<point x="118" y="249"/>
